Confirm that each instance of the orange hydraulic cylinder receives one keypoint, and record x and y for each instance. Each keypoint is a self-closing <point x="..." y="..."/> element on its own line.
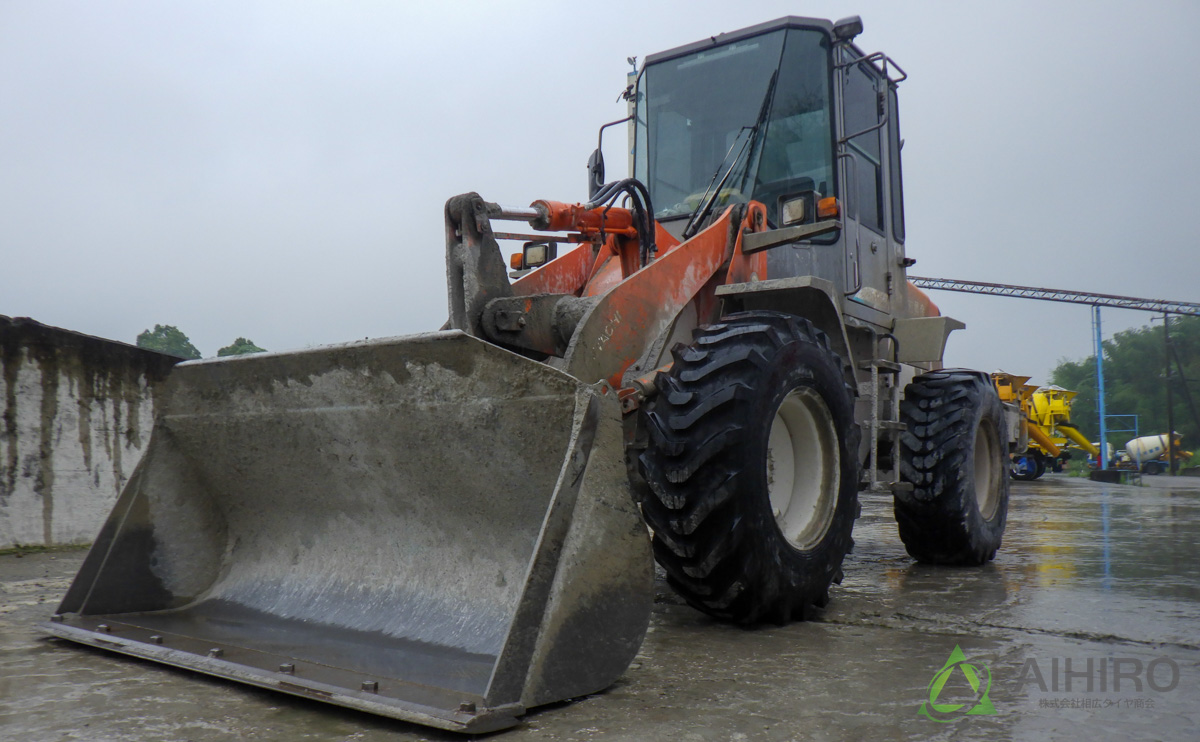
<point x="561" y="217"/>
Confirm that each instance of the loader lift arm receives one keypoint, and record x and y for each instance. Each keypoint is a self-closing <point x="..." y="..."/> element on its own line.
<point x="594" y="307"/>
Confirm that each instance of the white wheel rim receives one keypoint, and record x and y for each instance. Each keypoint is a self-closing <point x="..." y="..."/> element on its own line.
<point x="986" y="471"/>
<point x="803" y="468"/>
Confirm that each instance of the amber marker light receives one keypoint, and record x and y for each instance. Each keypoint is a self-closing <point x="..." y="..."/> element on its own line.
<point x="827" y="208"/>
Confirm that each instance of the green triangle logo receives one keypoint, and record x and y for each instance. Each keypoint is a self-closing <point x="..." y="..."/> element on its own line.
<point x="978" y="677"/>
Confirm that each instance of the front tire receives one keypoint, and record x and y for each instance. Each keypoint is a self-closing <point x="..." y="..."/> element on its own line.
<point x="952" y="454"/>
<point x="752" y="466"/>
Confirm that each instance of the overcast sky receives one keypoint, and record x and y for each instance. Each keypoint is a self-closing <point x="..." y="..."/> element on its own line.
<point x="278" y="170"/>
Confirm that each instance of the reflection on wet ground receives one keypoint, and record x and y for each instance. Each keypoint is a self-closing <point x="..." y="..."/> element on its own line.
<point x="1096" y="584"/>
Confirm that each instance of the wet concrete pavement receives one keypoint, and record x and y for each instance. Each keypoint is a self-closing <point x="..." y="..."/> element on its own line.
<point x="1105" y="576"/>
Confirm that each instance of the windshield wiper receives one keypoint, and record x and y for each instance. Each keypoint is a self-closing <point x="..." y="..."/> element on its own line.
<point x="710" y="195"/>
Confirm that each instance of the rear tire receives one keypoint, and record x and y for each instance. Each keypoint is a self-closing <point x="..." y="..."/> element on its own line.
<point x="1152" y="468"/>
<point x="752" y="466"/>
<point x="953" y="455"/>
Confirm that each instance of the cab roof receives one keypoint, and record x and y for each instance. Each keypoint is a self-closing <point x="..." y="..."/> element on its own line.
<point x="791" y="21"/>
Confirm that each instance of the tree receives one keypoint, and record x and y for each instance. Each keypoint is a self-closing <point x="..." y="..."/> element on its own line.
<point x="240" y="347"/>
<point x="168" y="339"/>
<point x="1134" y="382"/>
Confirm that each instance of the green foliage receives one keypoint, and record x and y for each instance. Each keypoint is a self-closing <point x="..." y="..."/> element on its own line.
<point x="239" y="347"/>
<point x="1135" y="382"/>
<point x="168" y="339"/>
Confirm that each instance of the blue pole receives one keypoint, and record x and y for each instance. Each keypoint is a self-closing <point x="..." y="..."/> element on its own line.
<point x="1106" y="583"/>
<point x="1100" y="387"/>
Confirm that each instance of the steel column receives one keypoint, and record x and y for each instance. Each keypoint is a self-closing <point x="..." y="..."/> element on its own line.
<point x="1100" y="387"/>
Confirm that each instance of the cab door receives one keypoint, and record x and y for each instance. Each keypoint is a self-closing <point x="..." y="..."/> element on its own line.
<point x="862" y="153"/>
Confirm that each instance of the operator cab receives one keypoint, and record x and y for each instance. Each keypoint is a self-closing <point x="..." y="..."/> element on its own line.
<point x="789" y="113"/>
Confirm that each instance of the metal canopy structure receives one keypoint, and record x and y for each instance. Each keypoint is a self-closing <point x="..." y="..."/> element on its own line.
<point x="1062" y="295"/>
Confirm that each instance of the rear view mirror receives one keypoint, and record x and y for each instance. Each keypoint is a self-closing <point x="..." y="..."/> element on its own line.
<point x="595" y="168"/>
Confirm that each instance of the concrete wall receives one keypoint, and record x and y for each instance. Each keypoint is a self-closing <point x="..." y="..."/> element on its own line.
<point x="77" y="416"/>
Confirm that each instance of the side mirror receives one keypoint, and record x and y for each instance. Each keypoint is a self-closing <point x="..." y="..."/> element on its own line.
<point x="595" y="164"/>
<point x="595" y="167"/>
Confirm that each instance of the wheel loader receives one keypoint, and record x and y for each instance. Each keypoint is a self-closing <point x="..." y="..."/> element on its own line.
<point x="704" y="363"/>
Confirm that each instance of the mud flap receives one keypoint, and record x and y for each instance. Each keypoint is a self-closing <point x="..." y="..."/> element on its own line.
<point x="429" y="528"/>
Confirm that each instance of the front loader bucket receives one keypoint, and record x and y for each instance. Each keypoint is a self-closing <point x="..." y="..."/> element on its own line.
<point x="429" y="528"/>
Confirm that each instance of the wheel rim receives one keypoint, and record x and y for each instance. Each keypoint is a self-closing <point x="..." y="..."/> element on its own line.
<point x="1023" y="466"/>
<point x="803" y="468"/>
<point x="987" y="452"/>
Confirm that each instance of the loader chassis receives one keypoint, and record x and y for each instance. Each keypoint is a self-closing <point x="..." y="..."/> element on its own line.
<point x="451" y="528"/>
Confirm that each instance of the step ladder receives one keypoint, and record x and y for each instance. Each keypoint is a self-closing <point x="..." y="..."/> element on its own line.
<point x="883" y="394"/>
